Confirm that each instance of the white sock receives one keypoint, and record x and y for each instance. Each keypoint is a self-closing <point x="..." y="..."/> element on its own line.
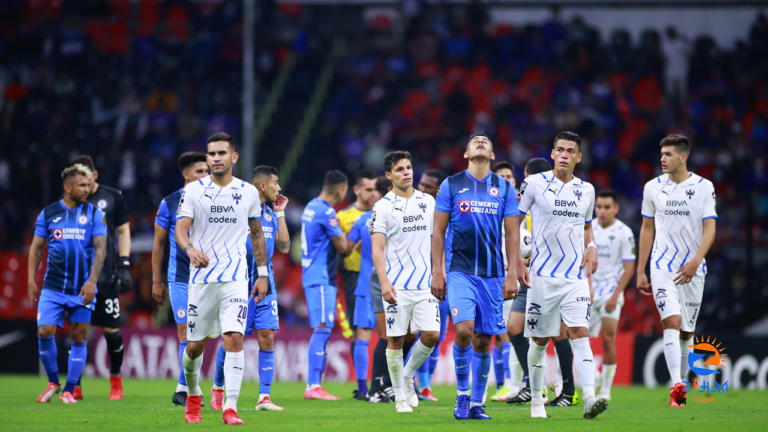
<point x="217" y="387"/>
<point x="234" y="363"/>
<point x="684" y="350"/>
<point x="395" y="366"/>
<point x="536" y="358"/>
<point x="262" y="396"/>
<point x="192" y="374"/>
<point x="181" y="388"/>
<point x="557" y="380"/>
<point x="584" y="363"/>
<point x="419" y="354"/>
<point x="609" y="371"/>
<point x="312" y="386"/>
<point x="672" y="353"/>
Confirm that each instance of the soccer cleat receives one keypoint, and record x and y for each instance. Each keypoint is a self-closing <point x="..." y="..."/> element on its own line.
<point x="427" y="394"/>
<point x="403" y="406"/>
<point x="537" y="410"/>
<point x="604" y="395"/>
<point x="410" y="393"/>
<point x="78" y="393"/>
<point x="230" y="417"/>
<point x="115" y="388"/>
<point x="522" y="398"/>
<point x="556" y="388"/>
<point x="67" y="398"/>
<point x="390" y="392"/>
<point x="192" y="412"/>
<point x="359" y="396"/>
<point x="379" y="397"/>
<point x="179" y="399"/>
<point x="562" y="401"/>
<point x="594" y="406"/>
<point x="267" y="405"/>
<point x="673" y="402"/>
<point x="49" y="392"/>
<point x="502" y="395"/>
<point x="678" y="394"/>
<point x="576" y="399"/>
<point x="461" y="410"/>
<point x="217" y="399"/>
<point x="478" y="413"/>
<point x="318" y="393"/>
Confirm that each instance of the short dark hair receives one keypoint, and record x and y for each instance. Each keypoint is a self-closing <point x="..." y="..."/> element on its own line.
<point x="537" y="165"/>
<point x="263" y="171"/>
<point x="333" y="179"/>
<point x="222" y="136"/>
<point x="86" y="161"/>
<point x="680" y="142"/>
<point x="503" y="165"/>
<point x="383" y="185"/>
<point x="608" y="193"/>
<point x="364" y="174"/>
<point x="473" y="136"/>
<point x="394" y="157"/>
<point x="568" y="136"/>
<point x="188" y="159"/>
<point x="435" y="174"/>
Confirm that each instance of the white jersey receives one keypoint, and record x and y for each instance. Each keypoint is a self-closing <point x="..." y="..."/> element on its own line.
<point x="407" y="223"/>
<point x="526" y="242"/>
<point x="678" y="211"/>
<point x="615" y="245"/>
<point x="220" y="227"/>
<point x="558" y="214"/>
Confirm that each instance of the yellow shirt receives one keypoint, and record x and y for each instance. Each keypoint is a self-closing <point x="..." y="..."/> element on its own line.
<point x="347" y="218"/>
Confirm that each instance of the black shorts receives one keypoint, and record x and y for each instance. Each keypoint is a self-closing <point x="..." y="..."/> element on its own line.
<point x="107" y="312"/>
<point x="350" y="284"/>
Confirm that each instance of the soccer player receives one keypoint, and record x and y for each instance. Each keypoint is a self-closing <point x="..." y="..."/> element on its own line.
<point x="679" y="210"/>
<point x="477" y="203"/>
<point x="616" y="252"/>
<point x="401" y="224"/>
<point x="115" y="278"/>
<point x="321" y="239"/>
<point x="193" y="166"/>
<point x="77" y="244"/>
<point x="561" y="208"/>
<point x="219" y="210"/>
<point x="429" y="184"/>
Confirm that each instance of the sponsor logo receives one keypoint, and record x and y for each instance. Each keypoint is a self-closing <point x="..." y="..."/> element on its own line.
<point x="534" y="309"/>
<point x="554" y="192"/>
<point x="334" y="222"/>
<point x="415" y="228"/>
<point x="661" y="293"/>
<point x="577" y="193"/>
<point x="582" y="299"/>
<point x="462" y="191"/>
<point x="455" y="311"/>
<point x="57" y="219"/>
<point x="181" y="313"/>
<point x="493" y="191"/>
<point x="675" y="203"/>
<point x="690" y="193"/>
<point x="58" y="234"/>
<point x="523" y="185"/>
<point x="694" y="305"/>
<point x="237" y="300"/>
<point x="434" y="300"/>
<point x="222" y="209"/>
<point x="102" y="204"/>
<point x="222" y="220"/>
<point x="410" y="219"/>
<point x="423" y="207"/>
<point x="716" y="361"/>
<point x="68" y="233"/>
<point x="392" y="309"/>
<point x="677" y="213"/>
<point x="329" y="211"/>
<point x="82" y="220"/>
<point x="564" y="203"/>
<point x="192" y="310"/>
<point x="210" y="197"/>
<point x="267" y="368"/>
<point x="565" y="213"/>
<point x="236" y="197"/>
<point x="464" y="207"/>
<point x="502" y="324"/>
<point x="532" y="323"/>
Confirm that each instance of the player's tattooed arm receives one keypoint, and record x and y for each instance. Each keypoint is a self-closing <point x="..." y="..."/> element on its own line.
<point x="99" y="254"/>
<point x="283" y="240"/>
<point x="35" y="255"/>
<point x="258" y="243"/>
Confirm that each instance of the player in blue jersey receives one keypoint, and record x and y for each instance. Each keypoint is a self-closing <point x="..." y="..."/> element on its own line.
<point x="193" y="167"/>
<point x="472" y="207"/>
<point x="321" y="240"/>
<point x="77" y="246"/>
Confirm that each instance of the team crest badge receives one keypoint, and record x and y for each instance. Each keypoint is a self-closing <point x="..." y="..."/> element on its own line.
<point x="493" y="191"/>
<point x="102" y="204"/>
<point x="578" y="194"/>
<point x="690" y="193"/>
<point x="58" y="234"/>
<point x="181" y="313"/>
<point x="82" y="219"/>
<point x="464" y="207"/>
<point x="455" y="311"/>
<point x="267" y="217"/>
<point x="423" y="207"/>
<point x="237" y="197"/>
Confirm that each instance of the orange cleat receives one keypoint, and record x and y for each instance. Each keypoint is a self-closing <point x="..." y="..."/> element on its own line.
<point x="49" y="392"/>
<point x="267" y="405"/>
<point x="78" y="393"/>
<point x="192" y="412"/>
<point x="67" y="398"/>
<point x="677" y="395"/>
<point x="318" y="393"/>
<point x="115" y="388"/>
<point x="217" y="399"/>
<point x="230" y="417"/>
<point x="427" y="393"/>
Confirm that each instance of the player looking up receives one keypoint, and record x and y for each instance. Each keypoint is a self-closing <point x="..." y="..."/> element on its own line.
<point x="401" y="224"/>
<point x="193" y="166"/>
<point x="476" y="203"/>
<point x="218" y="211"/>
<point x="77" y="243"/>
<point x="321" y="239"/>
<point x="679" y="211"/>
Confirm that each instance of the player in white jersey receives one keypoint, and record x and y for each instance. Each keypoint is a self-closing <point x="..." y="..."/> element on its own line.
<point x="218" y="211"/>
<point x="561" y="208"/>
<point x="401" y="228"/>
<point x="679" y="210"/>
<point x="616" y="252"/>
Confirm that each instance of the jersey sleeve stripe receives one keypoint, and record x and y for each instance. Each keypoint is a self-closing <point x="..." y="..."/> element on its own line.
<point x="588" y="222"/>
<point x="646" y="216"/>
<point x="710" y="217"/>
<point x="628" y="259"/>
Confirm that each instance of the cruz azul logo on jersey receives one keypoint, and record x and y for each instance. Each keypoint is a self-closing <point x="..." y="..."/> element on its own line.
<point x="69" y="234"/>
<point x="478" y="207"/>
<point x="707" y="386"/>
<point x="493" y="191"/>
<point x="267" y="217"/>
<point x="82" y="220"/>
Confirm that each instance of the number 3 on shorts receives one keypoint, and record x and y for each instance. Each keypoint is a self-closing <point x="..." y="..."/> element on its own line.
<point x="112" y="307"/>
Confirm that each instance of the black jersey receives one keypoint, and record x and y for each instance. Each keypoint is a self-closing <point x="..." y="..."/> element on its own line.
<point x="111" y="202"/>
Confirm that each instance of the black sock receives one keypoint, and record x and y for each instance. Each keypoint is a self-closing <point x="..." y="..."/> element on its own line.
<point x="520" y="344"/>
<point x="115" y="351"/>
<point x="407" y="348"/>
<point x="565" y="355"/>
<point x="379" y="371"/>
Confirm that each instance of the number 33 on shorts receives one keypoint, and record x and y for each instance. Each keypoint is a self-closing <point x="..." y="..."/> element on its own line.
<point x="112" y="307"/>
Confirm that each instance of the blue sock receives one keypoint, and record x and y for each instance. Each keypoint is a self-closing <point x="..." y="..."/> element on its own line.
<point x="361" y="365"/>
<point x="433" y="358"/>
<point x="462" y="357"/>
<point x="77" y="357"/>
<point x="506" y="349"/>
<point x="266" y="370"/>
<point x="48" y="355"/>
<point x="182" y="378"/>
<point x="498" y="366"/>
<point x="423" y="374"/>
<point x="481" y="365"/>
<point x="317" y="356"/>
<point x="218" y="378"/>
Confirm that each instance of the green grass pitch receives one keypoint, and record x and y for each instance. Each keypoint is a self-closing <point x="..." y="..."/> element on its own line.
<point x="147" y="406"/>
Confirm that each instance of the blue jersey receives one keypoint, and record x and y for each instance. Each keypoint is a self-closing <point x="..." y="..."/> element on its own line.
<point x="359" y="232"/>
<point x="318" y="256"/>
<point x="477" y="209"/>
<point x="269" y="227"/>
<point x="178" y="263"/>
<point x="70" y="234"/>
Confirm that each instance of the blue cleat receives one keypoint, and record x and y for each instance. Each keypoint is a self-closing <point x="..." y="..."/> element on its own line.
<point x="461" y="410"/>
<point x="478" y="413"/>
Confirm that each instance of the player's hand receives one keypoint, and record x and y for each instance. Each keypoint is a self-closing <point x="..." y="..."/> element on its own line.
<point x="522" y="273"/>
<point x="33" y="291"/>
<point x="122" y="277"/>
<point x="589" y="263"/>
<point x="87" y="292"/>
<point x="197" y="258"/>
<point x="643" y="287"/>
<point x="439" y="289"/>
<point x="281" y="202"/>
<point x="610" y="306"/>
<point x="686" y="273"/>
<point x="159" y="292"/>
<point x="259" y="289"/>
<point x="510" y="287"/>
<point x="388" y="293"/>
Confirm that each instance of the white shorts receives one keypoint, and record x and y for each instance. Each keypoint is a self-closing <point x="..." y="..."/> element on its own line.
<point x="216" y="308"/>
<point x="683" y="300"/>
<point x="552" y="299"/>
<point x="419" y="308"/>
<point x="599" y="312"/>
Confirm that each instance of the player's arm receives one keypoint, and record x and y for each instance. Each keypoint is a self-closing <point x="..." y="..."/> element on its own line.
<point x="159" y="290"/>
<point x="686" y="273"/>
<point x="439" y="226"/>
<point x="378" y="243"/>
<point x="647" y="233"/>
<point x="123" y="281"/>
<point x="512" y="246"/>
<point x="196" y="257"/>
<point x="259" y="246"/>
<point x="88" y="291"/>
<point x="590" y="255"/>
<point x="35" y="255"/>
<point x="340" y="244"/>
<point x="283" y="238"/>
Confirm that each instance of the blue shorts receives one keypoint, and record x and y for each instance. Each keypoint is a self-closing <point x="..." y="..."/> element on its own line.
<point x="444" y="310"/>
<point x="262" y="315"/>
<point x="479" y="299"/>
<point x="52" y="305"/>
<point x="321" y="305"/>
<point x="179" y="293"/>
<point x="364" y="315"/>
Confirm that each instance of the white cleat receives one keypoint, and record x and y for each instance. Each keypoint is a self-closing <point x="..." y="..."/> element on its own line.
<point x="537" y="410"/>
<point x="410" y="392"/>
<point x="403" y="406"/>
<point x="267" y="405"/>
<point x="606" y="396"/>
<point x="594" y="406"/>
